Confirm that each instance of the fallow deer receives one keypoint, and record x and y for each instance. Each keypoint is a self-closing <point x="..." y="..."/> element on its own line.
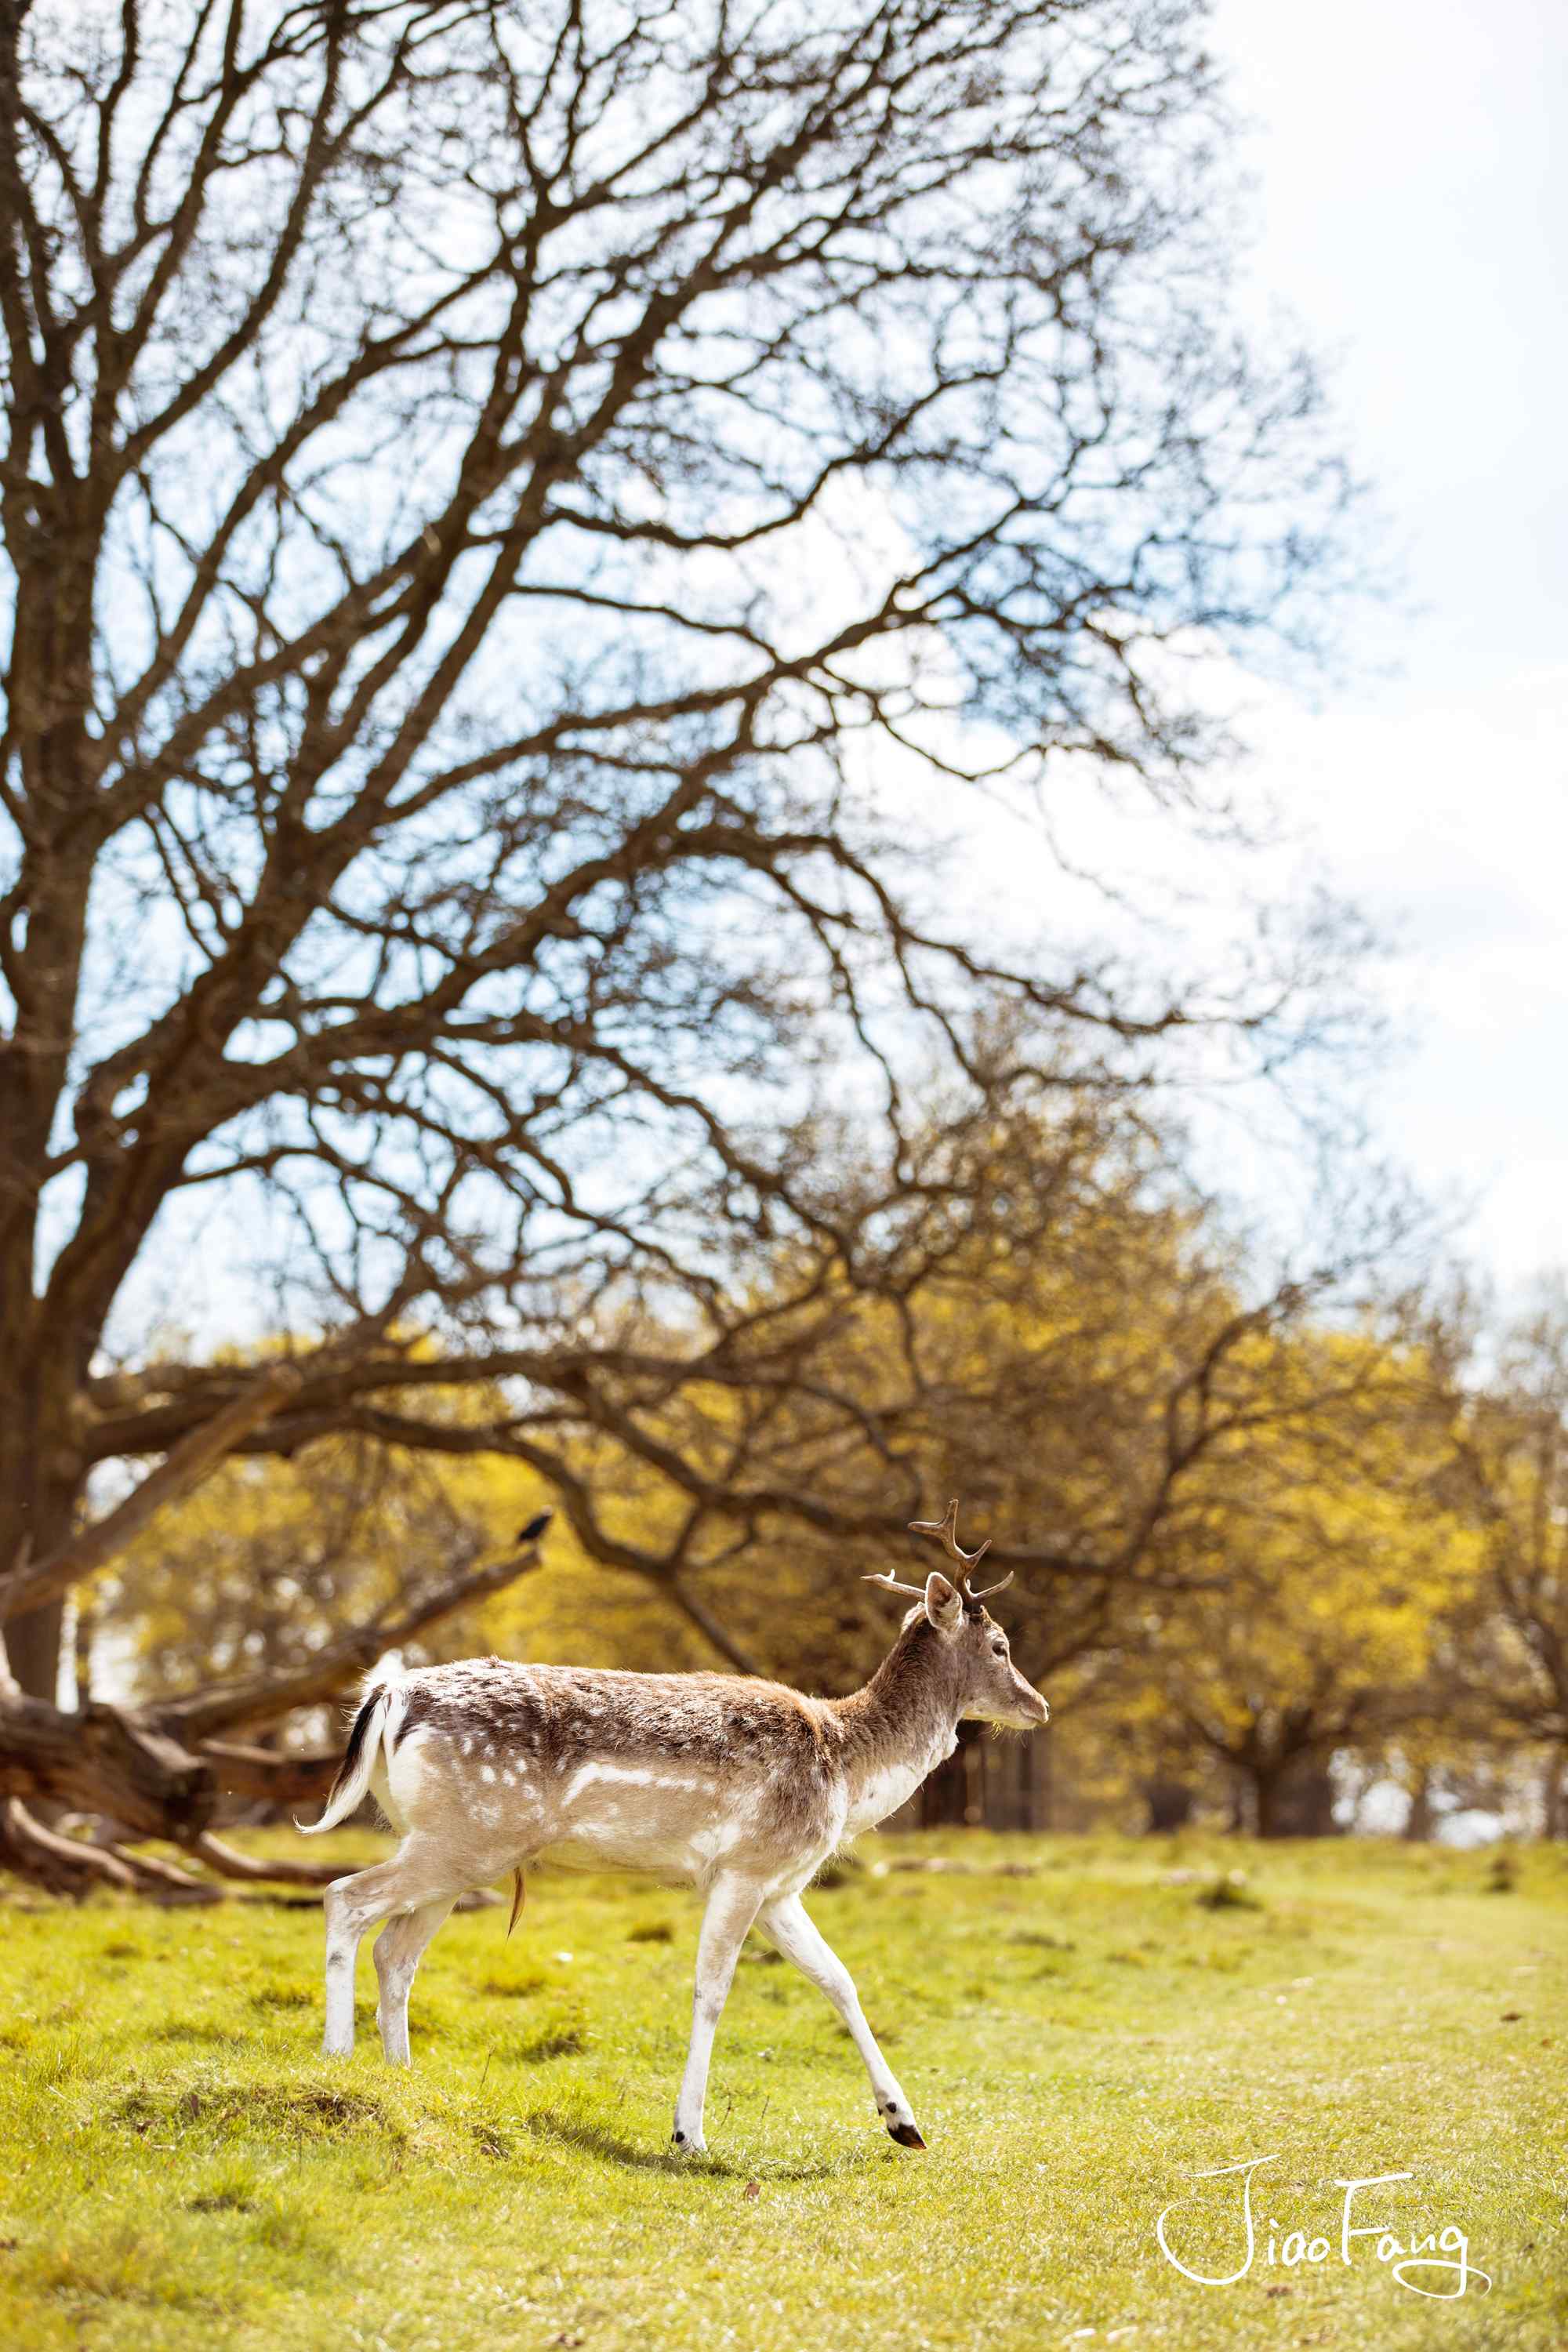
<point x="739" y="1786"/>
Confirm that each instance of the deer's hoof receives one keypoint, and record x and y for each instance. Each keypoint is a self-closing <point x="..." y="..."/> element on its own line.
<point x="906" y="2135"/>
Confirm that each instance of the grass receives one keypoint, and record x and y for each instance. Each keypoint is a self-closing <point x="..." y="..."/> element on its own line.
<point x="180" y="2169"/>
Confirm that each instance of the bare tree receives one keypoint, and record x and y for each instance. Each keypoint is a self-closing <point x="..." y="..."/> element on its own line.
<point x="482" y="483"/>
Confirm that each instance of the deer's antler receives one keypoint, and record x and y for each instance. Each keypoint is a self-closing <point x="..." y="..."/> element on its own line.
<point x="945" y="1530"/>
<point x="891" y="1584"/>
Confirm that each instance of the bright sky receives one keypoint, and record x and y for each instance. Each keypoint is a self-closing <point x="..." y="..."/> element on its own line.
<point x="1413" y="212"/>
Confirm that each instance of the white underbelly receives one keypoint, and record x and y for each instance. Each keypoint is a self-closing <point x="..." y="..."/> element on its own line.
<point x="671" y="1865"/>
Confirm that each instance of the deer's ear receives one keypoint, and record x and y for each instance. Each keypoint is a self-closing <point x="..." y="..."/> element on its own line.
<point x="943" y="1606"/>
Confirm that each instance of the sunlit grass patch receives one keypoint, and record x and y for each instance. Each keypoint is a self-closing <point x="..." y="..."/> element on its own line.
<point x="127" y="2264"/>
<point x="180" y="2169"/>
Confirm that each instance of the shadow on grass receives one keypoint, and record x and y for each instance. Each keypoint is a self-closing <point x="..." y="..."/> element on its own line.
<point x="593" y="2139"/>
<point x="259" y="2110"/>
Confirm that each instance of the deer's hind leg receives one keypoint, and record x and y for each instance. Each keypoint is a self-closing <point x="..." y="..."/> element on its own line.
<point x="732" y="1903"/>
<point x="398" y="1950"/>
<point x="416" y="1879"/>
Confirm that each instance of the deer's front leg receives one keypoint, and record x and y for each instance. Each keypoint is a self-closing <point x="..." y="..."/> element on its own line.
<point x="732" y="1908"/>
<point x="786" y="1923"/>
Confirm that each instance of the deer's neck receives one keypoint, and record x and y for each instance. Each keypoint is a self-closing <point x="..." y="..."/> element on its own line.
<point x="899" y="1728"/>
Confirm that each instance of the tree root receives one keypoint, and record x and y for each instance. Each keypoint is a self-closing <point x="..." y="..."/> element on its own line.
<point x="229" y="1863"/>
<point x="67" y="1865"/>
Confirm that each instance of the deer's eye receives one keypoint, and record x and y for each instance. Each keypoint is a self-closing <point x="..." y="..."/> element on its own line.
<point x="998" y="1649"/>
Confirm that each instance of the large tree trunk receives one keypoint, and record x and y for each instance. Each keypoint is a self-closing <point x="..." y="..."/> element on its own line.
<point x="1295" y="1798"/>
<point x="33" y="1649"/>
<point x="40" y="1489"/>
<point x="1418" y="1819"/>
<point x="37" y="1516"/>
<point x="1170" y="1803"/>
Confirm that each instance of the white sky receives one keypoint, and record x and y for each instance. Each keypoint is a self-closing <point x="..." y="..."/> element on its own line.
<point x="1413" y="212"/>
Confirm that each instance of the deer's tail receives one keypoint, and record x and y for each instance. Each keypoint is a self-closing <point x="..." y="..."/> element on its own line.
<point x="373" y="1728"/>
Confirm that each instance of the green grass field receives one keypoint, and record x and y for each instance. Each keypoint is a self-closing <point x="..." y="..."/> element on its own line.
<point x="1078" y="2034"/>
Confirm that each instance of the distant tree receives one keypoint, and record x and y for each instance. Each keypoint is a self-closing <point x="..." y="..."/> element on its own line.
<point x="1332" y="1559"/>
<point x="480" y="487"/>
<point x="1504" y="1663"/>
<point x="1155" y="1440"/>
